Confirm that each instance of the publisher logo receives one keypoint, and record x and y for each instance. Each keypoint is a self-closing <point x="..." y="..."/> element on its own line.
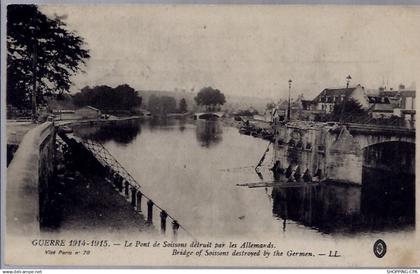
<point x="379" y="248"/>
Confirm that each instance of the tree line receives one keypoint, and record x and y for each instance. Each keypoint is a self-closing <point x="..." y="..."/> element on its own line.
<point x="122" y="97"/>
<point x="163" y="105"/>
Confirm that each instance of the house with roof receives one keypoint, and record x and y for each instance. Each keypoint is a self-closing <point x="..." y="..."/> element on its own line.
<point x="407" y="99"/>
<point x="380" y="106"/>
<point x="88" y="112"/>
<point x="300" y="109"/>
<point x="407" y="105"/>
<point x="403" y="101"/>
<point x="330" y="97"/>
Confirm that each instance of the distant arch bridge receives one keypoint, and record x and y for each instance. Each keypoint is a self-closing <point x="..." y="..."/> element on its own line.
<point x="208" y="115"/>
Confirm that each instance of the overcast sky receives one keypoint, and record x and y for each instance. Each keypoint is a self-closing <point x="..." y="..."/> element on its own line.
<point x="245" y="50"/>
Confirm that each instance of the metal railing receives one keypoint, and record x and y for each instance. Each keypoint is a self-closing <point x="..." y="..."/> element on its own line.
<point x="128" y="186"/>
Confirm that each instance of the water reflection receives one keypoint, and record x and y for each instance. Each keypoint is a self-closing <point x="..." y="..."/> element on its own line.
<point x="121" y="132"/>
<point x="161" y="123"/>
<point x="208" y="132"/>
<point x="181" y="123"/>
<point x="388" y="198"/>
<point x="334" y="208"/>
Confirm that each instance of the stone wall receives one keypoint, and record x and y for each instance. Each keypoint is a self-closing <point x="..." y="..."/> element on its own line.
<point x="301" y="150"/>
<point x="28" y="177"/>
<point x="329" y="152"/>
<point x="345" y="158"/>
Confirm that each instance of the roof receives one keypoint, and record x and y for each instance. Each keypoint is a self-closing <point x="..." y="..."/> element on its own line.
<point x="378" y="100"/>
<point x="408" y="93"/>
<point x="396" y="93"/>
<point x="335" y="92"/>
<point x="388" y="93"/>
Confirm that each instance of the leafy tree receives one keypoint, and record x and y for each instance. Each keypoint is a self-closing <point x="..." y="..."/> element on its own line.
<point x="42" y="55"/>
<point x="154" y="104"/>
<point x="270" y="105"/>
<point x="350" y="108"/>
<point x="168" y="104"/>
<point x="210" y="98"/>
<point x="162" y="105"/>
<point x="183" y="106"/>
<point x="123" y="97"/>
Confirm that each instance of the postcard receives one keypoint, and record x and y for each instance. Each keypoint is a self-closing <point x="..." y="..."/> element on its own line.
<point x="272" y="136"/>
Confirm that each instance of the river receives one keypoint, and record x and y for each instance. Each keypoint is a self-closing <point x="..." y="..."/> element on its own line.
<point x="192" y="168"/>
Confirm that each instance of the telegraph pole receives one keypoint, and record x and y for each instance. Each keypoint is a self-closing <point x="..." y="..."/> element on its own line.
<point x="348" y="78"/>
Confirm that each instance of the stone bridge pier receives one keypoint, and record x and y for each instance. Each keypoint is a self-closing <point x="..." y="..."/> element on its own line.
<point x="314" y="151"/>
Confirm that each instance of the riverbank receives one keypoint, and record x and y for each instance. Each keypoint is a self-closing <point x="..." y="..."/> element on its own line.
<point x="94" y="122"/>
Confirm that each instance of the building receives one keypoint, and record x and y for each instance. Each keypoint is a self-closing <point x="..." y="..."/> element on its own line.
<point x="300" y="109"/>
<point x="64" y="114"/>
<point x="88" y="112"/>
<point x="407" y="106"/>
<point x="330" y="97"/>
<point x="380" y="107"/>
<point x="407" y="99"/>
<point x="403" y="102"/>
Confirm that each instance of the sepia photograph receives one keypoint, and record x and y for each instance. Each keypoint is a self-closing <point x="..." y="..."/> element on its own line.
<point x="180" y="135"/>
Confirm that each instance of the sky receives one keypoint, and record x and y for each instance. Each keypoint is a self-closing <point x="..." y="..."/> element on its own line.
<point x="245" y="50"/>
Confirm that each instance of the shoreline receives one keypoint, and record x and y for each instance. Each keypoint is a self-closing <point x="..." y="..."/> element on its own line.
<point x="96" y="121"/>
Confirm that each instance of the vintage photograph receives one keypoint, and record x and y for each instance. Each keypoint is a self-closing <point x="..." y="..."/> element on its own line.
<point x="210" y="135"/>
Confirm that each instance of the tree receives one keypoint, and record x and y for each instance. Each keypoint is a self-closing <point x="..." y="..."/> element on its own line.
<point x="168" y="104"/>
<point x="210" y="98"/>
<point x="183" y="106"/>
<point x="162" y="105"/>
<point x="154" y="104"/>
<point x="270" y="105"/>
<point x="41" y="55"/>
<point x="350" y="108"/>
<point x="123" y="97"/>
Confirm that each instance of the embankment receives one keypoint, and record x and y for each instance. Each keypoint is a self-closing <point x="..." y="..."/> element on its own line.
<point x="28" y="176"/>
